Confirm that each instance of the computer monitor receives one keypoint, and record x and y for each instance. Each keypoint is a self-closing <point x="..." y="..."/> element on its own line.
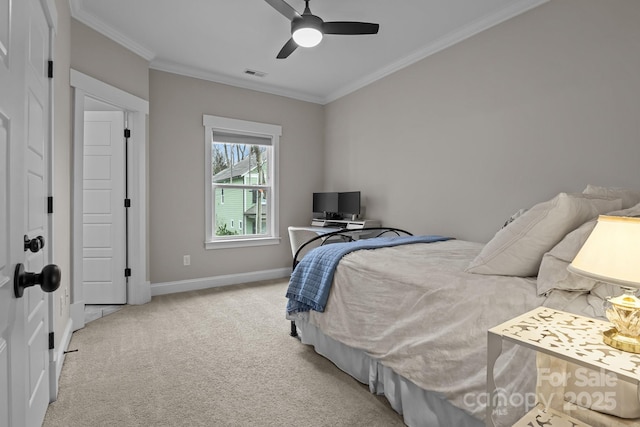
<point x="334" y="205"/>
<point x="326" y="204"/>
<point x="349" y="203"/>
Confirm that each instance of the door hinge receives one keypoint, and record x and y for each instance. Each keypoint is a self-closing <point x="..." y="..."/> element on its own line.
<point x="51" y="341"/>
<point x="127" y="272"/>
<point x="50" y="204"/>
<point x="127" y="203"/>
<point x="127" y="133"/>
<point x="50" y="69"/>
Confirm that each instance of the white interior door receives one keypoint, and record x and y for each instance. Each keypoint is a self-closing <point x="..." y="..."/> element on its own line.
<point x="103" y="231"/>
<point x="24" y="139"/>
<point x="36" y="314"/>
<point x="10" y="103"/>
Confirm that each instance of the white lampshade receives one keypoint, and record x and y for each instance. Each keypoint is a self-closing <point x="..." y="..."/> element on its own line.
<point x="307" y="36"/>
<point x="612" y="252"/>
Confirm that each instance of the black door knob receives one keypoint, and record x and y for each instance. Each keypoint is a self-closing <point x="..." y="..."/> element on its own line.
<point x="48" y="279"/>
<point x="33" y="245"/>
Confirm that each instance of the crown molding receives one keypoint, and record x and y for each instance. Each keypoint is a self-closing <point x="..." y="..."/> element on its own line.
<point x="78" y="12"/>
<point x="183" y="70"/>
<point x="475" y="27"/>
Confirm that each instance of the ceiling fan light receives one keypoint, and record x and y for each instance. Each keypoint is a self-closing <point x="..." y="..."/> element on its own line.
<point x="307" y="36"/>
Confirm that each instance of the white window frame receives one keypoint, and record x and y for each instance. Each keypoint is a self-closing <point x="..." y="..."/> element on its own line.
<point x="243" y="127"/>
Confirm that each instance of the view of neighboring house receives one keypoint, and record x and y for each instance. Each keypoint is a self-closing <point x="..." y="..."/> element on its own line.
<point x="239" y="197"/>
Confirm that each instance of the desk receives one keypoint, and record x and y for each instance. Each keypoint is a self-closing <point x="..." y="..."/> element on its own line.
<point x="299" y="235"/>
<point x="344" y="223"/>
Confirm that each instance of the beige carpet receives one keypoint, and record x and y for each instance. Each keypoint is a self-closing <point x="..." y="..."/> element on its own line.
<point x="217" y="357"/>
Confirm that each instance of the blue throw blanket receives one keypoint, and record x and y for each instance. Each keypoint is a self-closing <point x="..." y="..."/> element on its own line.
<point x="311" y="279"/>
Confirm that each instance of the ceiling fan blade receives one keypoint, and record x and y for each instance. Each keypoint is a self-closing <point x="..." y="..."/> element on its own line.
<point x="344" y="27"/>
<point x="287" y="49"/>
<point x="284" y="8"/>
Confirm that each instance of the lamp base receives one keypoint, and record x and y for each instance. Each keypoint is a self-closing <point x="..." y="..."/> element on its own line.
<point x="613" y="338"/>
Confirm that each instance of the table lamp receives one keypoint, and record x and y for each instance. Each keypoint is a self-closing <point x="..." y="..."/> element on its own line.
<point x="612" y="254"/>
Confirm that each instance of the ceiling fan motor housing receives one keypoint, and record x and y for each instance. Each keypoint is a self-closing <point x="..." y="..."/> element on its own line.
<point x="307" y="22"/>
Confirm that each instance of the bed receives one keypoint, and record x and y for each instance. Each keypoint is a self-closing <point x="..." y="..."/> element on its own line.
<point x="410" y="320"/>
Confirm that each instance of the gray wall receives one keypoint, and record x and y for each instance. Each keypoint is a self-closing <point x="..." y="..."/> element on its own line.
<point x="548" y="101"/>
<point x="100" y="57"/>
<point x="177" y="177"/>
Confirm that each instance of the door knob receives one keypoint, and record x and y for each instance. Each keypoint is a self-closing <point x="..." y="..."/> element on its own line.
<point x="48" y="279"/>
<point x="33" y="245"/>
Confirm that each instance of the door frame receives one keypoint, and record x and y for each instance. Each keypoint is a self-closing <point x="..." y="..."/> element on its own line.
<point x="137" y="110"/>
<point x="55" y="357"/>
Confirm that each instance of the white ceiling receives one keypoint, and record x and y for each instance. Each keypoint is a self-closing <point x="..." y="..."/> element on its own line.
<point x="219" y="39"/>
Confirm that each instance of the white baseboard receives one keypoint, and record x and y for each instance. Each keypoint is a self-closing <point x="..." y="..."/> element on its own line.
<point x="139" y="294"/>
<point x="76" y="311"/>
<point x="164" y="288"/>
<point x="64" y="346"/>
<point x="58" y="360"/>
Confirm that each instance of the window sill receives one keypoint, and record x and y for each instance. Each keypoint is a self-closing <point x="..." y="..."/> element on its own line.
<point x="241" y="243"/>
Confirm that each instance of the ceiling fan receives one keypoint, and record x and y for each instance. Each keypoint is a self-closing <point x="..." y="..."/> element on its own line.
<point x="307" y="29"/>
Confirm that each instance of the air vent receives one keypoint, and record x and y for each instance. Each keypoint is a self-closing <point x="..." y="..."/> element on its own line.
<point x="255" y="73"/>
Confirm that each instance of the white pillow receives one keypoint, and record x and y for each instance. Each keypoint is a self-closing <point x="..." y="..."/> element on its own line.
<point x="553" y="272"/>
<point x="629" y="197"/>
<point x="517" y="249"/>
<point x="513" y="217"/>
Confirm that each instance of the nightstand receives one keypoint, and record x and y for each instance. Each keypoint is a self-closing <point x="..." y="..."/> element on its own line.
<point x="567" y="336"/>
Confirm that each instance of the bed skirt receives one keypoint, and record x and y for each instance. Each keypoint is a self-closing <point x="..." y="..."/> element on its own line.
<point x="419" y="408"/>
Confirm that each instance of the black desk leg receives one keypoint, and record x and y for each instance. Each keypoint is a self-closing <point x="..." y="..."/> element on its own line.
<point x="294" y="331"/>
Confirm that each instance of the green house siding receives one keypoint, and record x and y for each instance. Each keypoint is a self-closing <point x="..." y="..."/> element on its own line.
<point x="237" y="214"/>
<point x="229" y="215"/>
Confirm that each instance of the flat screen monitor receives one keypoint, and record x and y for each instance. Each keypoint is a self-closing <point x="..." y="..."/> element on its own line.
<point x="326" y="203"/>
<point x="349" y="203"/>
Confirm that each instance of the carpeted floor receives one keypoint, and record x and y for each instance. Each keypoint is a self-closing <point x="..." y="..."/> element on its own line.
<point x="217" y="357"/>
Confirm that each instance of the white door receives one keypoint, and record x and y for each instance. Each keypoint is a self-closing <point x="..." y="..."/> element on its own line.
<point x="10" y="104"/>
<point x="103" y="231"/>
<point x="24" y="139"/>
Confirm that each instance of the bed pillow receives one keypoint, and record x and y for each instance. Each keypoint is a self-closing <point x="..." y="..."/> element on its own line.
<point x="553" y="273"/>
<point x="629" y="198"/>
<point x="513" y="217"/>
<point x="517" y="249"/>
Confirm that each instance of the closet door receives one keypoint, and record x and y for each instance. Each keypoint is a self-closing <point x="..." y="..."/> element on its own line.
<point x="103" y="208"/>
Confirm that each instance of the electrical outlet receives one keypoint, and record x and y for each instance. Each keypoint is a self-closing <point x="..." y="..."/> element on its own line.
<point x="186" y="260"/>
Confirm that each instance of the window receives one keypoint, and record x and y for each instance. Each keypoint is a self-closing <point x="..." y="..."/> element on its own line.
<point x="241" y="182"/>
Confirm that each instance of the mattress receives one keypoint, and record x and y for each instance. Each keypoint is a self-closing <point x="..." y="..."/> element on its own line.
<point x="415" y="310"/>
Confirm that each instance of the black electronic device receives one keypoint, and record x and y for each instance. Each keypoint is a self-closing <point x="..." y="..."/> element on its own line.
<point x="326" y="204"/>
<point x="349" y="203"/>
<point x="335" y="205"/>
